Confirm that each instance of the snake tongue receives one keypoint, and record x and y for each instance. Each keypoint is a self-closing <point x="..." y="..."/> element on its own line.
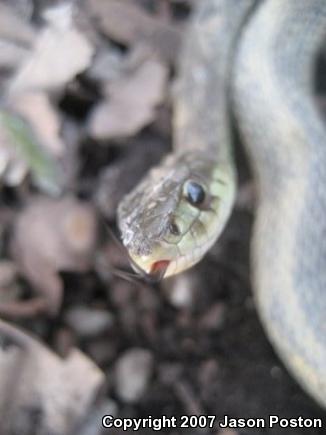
<point x="158" y="269"/>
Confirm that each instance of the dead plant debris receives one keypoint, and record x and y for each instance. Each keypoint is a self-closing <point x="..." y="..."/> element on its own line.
<point x="86" y="109"/>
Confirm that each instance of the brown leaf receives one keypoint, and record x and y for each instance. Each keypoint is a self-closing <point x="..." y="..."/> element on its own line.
<point x="60" y="52"/>
<point x="51" y="236"/>
<point x="35" y="396"/>
<point x="132" y="101"/>
<point x="13" y="28"/>
<point x="107" y="64"/>
<point x="9" y="289"/>
<point x="11" y="55"/>
<point x="127" y="23"/>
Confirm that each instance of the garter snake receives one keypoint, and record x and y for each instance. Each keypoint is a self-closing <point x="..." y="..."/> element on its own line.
<point x="256" y="59"/>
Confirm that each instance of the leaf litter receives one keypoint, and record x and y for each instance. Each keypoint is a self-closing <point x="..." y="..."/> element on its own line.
<point x="89" y="88"/>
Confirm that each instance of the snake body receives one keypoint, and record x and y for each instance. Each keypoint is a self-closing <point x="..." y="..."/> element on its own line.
<point x="256" y="59"/>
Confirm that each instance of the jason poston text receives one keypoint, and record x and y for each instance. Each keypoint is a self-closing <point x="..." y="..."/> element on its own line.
<point x="207" y="421"/>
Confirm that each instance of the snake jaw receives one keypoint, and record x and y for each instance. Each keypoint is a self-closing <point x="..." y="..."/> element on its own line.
<point x="153" y="272"/>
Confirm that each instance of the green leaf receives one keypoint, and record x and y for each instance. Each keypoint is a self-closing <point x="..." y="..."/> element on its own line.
<point x="44" y="168"/>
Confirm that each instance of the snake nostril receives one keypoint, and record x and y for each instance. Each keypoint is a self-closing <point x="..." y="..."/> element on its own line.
<point x="174" y="229"/>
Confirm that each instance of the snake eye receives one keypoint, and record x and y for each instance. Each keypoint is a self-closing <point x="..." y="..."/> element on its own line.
<point x="195" y="193"/>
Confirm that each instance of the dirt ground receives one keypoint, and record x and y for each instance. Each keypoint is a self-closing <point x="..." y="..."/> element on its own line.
<point x="192" y="345"/>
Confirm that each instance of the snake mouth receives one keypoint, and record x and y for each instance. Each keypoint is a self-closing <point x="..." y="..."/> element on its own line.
<point x="158" y="269"/>
<point x="154" y="273"/>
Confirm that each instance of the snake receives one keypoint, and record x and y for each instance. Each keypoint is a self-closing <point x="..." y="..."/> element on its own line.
<point x="252" y="64"/>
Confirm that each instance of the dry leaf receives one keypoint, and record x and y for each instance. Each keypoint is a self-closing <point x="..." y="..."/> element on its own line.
<point x="16" y="38"/>
<point x="107" y="64"/>
<point x="51" y="236"/>
<point x="15" y="29"/>
<point x="11" y="55"/>
<point x="35" y="396"/>
<point x="131" y="103"/>
<point x="115" y="181"/>
<point x="9" y="289"/>
<point x="24" y="9"/>
<point x="128" y="23"/>
<point x="60" y="52"/>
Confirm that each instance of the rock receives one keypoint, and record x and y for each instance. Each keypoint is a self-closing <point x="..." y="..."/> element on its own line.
<point x="133" y="371"/>
<point x="227" y="431"/>
<point x="91" y="426"/>
<point x="213" y="319"/>
<point x="181" y="289"/>
<point x="88" y="322"/>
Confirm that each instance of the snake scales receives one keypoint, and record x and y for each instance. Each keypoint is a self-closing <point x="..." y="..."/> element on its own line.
<point x="257" y="60"/>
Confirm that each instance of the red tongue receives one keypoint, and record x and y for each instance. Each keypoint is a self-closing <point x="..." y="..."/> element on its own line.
<point x="158" y="268"/>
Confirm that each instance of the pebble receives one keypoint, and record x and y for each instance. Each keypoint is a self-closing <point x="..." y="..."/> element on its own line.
<point x="91" y="426"/>
<point x="214" y="318"/>
<point x="227" y="431"/>
<point x="181" y="289"/>
<point x="133" y="371"/>
<point x="88" y="322"/>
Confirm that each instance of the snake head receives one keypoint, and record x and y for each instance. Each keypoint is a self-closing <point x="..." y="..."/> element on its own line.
<point x="175" y="214"/>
